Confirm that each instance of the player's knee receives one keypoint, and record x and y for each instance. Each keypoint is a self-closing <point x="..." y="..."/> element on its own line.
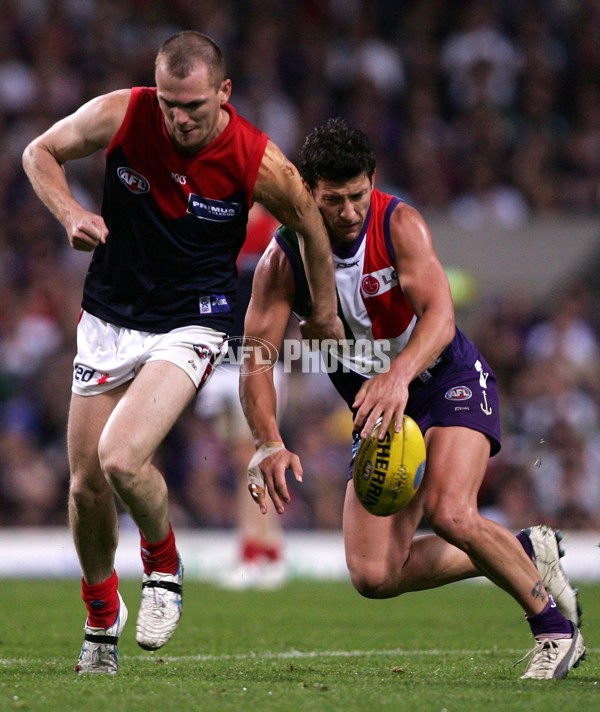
<point x="373" y="581"/>
<point x="117" y="464"/>
<point x="452" y="523"/>
<point x="86" y="492"/>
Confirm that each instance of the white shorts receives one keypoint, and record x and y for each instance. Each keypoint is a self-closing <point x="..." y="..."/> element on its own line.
<point x="109" y="355"/>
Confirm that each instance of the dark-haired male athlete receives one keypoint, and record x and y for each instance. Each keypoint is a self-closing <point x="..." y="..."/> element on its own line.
<point x="393" y="294"/>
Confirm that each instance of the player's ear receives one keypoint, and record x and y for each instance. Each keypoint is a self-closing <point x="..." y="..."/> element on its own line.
<point x="225" y="91"/>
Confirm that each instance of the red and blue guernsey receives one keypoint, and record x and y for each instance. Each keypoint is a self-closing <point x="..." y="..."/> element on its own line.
<point x="176" y="223"/>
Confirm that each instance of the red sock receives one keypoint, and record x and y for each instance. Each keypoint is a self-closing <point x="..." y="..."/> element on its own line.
<point x="101" y="601"/>
<point x="272" y="552"/>
<point x="251" y="550"/>
<point x="160" y="556"/>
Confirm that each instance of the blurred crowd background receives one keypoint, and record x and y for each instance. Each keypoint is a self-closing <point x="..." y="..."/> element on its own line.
<point x="481" y="111"/>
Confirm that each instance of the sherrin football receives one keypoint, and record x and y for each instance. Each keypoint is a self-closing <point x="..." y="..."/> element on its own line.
<point x="387" y="473"/>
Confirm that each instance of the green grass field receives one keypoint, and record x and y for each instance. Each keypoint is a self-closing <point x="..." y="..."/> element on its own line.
<point x="310" y="646"/>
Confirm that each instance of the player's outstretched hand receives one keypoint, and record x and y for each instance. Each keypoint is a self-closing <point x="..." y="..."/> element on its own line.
<point x="266" y="475"/>
<point x="383" y="396"/>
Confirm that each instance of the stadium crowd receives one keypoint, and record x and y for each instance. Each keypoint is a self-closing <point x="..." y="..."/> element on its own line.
<point x="487" y="111"/>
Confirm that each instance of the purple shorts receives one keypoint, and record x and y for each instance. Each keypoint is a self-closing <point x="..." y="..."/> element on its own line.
<point x="460" y="390"/>
<point x="462" y="397"/>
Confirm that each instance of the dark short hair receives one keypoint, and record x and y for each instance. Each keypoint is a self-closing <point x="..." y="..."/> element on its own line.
<point x="183" y="51"/>
<point x="335" y="152"/>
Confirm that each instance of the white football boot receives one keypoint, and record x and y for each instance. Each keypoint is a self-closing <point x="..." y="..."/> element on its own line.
<point x="548" y="553"/>
<point x="99" y="653"/>
<point x="161" y="608"/>
<point x="554" y="659"/>
<point x="261" y="575"/>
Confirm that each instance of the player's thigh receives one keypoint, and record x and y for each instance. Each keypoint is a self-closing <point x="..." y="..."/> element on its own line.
<point x="146" y="413"/>
<point x="457" y="459"/>
<point x="87" y="418"/>
<point x="378" y="543"/>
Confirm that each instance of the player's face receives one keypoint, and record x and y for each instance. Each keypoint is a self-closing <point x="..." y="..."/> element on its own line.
<point x="344" y="206"/>
<point x="192" y="106"/>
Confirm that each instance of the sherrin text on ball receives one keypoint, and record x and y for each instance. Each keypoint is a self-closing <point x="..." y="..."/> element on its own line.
<point x="387" y="473"/>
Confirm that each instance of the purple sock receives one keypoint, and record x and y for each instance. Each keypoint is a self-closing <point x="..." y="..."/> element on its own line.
<point x="550" y="623"/>
<point x="525" y="542"/>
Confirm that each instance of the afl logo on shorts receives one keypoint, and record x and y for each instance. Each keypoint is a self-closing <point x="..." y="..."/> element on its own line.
<point x="132" y="180"/>
<point x="459" y="393"/>
<point x="370" y="285"/>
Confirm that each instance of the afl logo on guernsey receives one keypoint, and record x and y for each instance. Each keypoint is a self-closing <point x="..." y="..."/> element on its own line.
<point x="212" y="210"/>
<point x="459" y="393"/>
<point x="133" y="181"/>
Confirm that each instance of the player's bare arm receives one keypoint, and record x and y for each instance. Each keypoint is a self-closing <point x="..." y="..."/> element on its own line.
<point x="425" y="284"/>
<point x="79" y="135"/>
<point x="266" y="319"/>
<point x="281" y="190"/>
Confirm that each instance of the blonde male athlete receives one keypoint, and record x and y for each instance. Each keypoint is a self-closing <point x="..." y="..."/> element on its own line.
<point x="182" y="171"/>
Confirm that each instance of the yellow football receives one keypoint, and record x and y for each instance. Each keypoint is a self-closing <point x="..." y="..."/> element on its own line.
<point x="387" y="473"/>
